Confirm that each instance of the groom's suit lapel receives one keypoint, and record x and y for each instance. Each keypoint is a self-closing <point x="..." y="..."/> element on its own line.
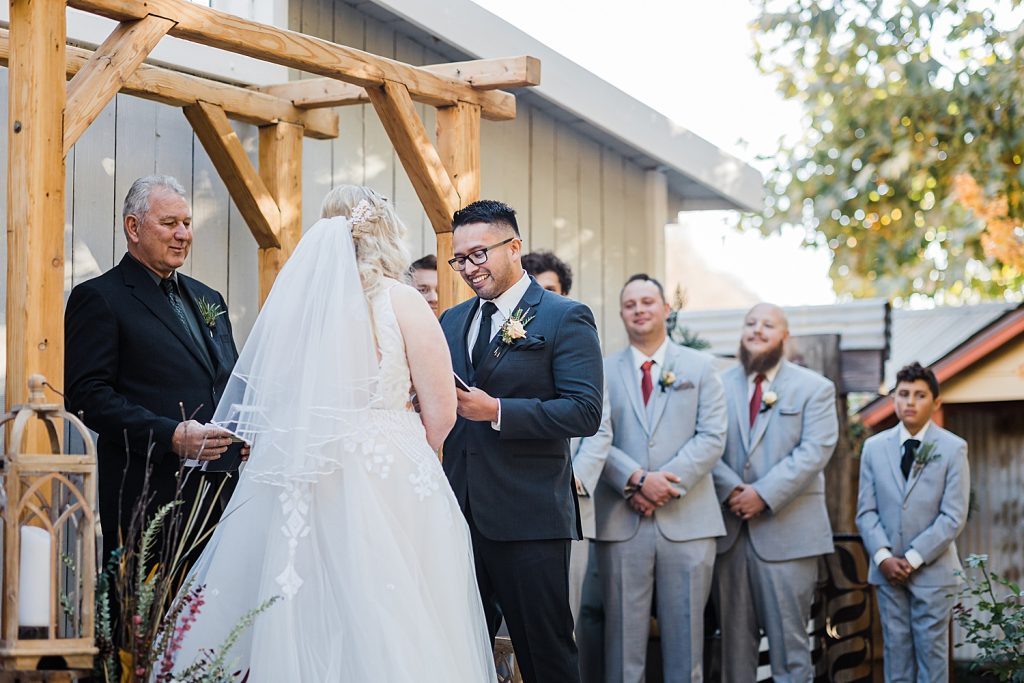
<point x="460" y="358"/>
<point x="137" y="279"/>
<point x="496" y="350"/>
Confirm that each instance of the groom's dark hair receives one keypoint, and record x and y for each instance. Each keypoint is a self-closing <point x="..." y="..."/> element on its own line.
<point x="486" y="211"/>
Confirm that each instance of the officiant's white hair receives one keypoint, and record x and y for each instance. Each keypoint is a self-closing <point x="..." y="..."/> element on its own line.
<point x="378" y="234"/>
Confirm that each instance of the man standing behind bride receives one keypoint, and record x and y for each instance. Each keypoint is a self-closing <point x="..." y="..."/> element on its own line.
<point x="533" y="362"/>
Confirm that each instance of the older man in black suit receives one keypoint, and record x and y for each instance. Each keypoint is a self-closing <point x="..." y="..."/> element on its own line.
<point x="534" y="364"/>
<point x="148" y="353"/>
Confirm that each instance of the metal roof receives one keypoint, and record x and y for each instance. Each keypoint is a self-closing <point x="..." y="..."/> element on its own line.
<point x="927" y="335"/>
<point x="698" y="172"/>
<point x="861" y="324"/>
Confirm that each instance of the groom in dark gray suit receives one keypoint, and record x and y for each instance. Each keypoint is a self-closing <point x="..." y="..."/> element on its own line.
<point x="533" y="361"/>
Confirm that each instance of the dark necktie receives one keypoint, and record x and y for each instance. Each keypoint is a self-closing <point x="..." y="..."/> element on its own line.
<point x="909" y="451"/>
<point x="171" y="290"/>
<point x="755" y="400"/>
<point x="646" y="383"/>
<point x="483" y="337"/>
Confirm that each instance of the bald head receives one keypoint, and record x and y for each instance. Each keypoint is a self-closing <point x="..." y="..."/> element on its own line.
<point x="765" y="330"/>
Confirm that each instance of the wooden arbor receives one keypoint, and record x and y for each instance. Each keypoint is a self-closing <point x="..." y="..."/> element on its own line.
<point x="47" y="115"/>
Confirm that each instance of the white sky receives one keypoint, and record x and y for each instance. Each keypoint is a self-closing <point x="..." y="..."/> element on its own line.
<point x="691" y="61"/>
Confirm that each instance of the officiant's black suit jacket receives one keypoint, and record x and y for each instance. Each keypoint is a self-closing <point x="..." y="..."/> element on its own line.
<point x="130" y="369"/>
<point x="518" y="482"/>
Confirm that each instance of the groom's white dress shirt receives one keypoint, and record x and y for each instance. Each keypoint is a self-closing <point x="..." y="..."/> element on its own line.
<point x="506" y="303"/>
<point x="913" y="557"/>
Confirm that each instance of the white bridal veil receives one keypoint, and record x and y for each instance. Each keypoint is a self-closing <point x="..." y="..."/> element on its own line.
<point x="295" y="394"/>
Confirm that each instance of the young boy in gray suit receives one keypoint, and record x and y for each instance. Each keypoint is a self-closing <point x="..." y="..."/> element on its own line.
<point x="914" y="491"/>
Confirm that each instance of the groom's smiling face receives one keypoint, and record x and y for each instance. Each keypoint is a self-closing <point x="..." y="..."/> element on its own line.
<point x="503" y="266"/>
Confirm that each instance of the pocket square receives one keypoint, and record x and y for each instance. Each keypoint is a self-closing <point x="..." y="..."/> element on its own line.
<point x="685" y="384"/>
<point x="528" y="344"/>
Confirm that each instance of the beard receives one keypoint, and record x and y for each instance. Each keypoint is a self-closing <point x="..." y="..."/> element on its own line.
<point x="762" y="362"/>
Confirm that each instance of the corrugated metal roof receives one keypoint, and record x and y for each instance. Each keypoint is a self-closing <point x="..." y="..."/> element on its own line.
<point x="927" y="335"/>
<point x="861" y="324"/>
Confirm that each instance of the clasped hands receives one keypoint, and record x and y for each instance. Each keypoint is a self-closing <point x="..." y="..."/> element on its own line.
<point x="656" y="490"/>
<point x="745" y="502"/>
<point x="193" y="440"/>
<point x="896" y="570"/>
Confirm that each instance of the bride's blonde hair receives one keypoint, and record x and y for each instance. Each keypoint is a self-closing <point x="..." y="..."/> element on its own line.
<point x="377" y="232"/>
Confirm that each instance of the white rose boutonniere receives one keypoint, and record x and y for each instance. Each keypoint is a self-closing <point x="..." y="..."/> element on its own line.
<point x="769" y="399"/>
<point x="514" y="329"/>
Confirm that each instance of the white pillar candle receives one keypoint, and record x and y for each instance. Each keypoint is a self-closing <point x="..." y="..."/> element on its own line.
<point x="34" y="592"/>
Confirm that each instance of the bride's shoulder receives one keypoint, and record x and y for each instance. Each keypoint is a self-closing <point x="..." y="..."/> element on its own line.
<point x="404" y="298"/>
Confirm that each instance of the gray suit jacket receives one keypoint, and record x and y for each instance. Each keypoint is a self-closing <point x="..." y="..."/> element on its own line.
<point x="588" y="463"/>
<point x="783" y="457"/>
<point x="681" y="430"/>
<point x="925" y="512"/>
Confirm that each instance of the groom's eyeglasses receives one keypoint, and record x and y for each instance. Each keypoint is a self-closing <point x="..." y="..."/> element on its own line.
<point x="477" y="258"/>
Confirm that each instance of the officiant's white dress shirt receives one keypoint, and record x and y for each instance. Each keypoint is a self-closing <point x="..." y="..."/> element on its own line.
<point x="506" y="303"/>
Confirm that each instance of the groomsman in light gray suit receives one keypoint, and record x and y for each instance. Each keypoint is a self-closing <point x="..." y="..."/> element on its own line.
<point x="914" y="492"/>
<point x="782" y="432"/>
<point x="657" y="514"/>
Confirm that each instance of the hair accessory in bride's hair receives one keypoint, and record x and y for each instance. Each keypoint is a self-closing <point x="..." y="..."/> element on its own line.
<point x="361" y="212"/>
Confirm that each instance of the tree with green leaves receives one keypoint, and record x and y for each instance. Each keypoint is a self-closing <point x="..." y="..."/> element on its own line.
<point x="910" y="168"/>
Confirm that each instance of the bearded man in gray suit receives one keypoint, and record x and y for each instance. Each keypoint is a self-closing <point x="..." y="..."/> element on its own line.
<point x="783" y="429"/>
<point x="656" y="511"/>
<point x="914" y="490"/>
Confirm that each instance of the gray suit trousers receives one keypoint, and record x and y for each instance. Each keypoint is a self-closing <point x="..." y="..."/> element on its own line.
<point x="682" y="572"/>
<point x="754" y="594"/>
<point x="915" y="630"/>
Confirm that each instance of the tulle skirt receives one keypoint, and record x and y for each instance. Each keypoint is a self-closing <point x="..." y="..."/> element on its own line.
<point x="374" y="566"/>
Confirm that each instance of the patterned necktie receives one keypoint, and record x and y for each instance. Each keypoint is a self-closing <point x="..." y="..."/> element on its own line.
<point x="171" y="290"/>
<point x="909" y="451"/>
<point x="483" y="337"/>
<point x="646" y="383"/>
<point x="755" y="400"/>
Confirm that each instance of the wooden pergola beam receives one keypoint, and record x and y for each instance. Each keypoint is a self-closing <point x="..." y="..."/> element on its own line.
<point x="482" y="74"/>
<point x="104" y="74"/>
<point x="35" y="200"/>
<point x="458" y="144"/>
<point x="421" y="161"/>
<point x="247" y="189"/>
<point x="181" y="90"/>
<point x="306" y="53"/>
<point x="281" y="171"/>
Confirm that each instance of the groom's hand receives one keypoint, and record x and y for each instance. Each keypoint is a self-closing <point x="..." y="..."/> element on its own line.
<point x="477" y="405"/>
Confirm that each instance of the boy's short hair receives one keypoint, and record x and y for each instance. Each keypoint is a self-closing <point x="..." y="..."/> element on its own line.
<point x="538" y="262"/>
<point x="428" y="262"/>
<point x="915" y="371"/>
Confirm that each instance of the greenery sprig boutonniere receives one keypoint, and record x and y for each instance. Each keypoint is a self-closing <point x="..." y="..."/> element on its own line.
<point x="514" y="328"/>
<point x="924" y="455"/>
<point x="209" y="311"/>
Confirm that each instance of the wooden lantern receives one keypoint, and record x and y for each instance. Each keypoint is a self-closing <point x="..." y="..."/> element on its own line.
<point x="49" y="544"/>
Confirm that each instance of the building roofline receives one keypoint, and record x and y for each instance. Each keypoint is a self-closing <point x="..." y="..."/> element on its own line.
<point x="704" y="175"/>
<point x="977" y="347"/>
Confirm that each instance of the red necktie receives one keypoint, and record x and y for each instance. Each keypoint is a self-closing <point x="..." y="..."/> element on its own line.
<point x="755" y="400"/>
<point x="646" y="384"/>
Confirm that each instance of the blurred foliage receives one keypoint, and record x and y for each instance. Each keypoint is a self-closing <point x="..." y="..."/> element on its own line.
<point x="910" y="167"/>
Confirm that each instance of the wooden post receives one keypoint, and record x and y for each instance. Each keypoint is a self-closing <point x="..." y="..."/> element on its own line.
<point x="281" y="170"/>
<point x="35" y="198"/>
<point x="458" y="143"/>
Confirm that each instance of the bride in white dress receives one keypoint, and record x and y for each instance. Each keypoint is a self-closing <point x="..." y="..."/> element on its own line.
<point x="343" y="509"/>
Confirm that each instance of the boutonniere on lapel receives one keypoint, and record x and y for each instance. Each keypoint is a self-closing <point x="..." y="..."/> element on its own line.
<point x="210" y="312"/>
<point x="769" y="399"/>
<point x="924" y="455"/>
<point x="514" y="329"/>
<point x="669" y="380"/>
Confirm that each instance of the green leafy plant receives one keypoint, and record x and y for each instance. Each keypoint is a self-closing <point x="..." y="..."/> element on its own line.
<point x="995" y="624"/>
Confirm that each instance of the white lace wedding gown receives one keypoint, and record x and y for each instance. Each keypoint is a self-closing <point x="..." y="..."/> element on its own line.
<point x="373" y="561"/>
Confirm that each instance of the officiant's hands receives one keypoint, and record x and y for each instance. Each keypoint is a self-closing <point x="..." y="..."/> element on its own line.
<point x="196" y="441"/>
<point x="477" y="405"/>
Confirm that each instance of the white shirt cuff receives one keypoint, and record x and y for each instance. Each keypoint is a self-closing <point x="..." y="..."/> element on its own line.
<point x="882" y="555"/>
<point x="496" y="425"/>
<point x="914" y="558"/>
